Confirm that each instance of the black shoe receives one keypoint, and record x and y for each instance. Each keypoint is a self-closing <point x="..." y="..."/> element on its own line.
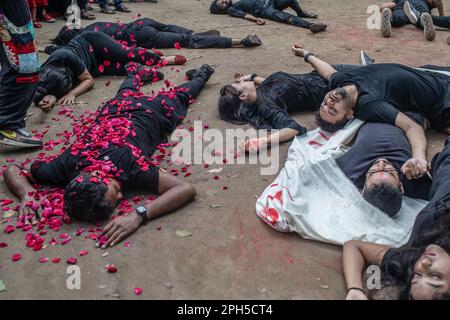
<point x="19" y="138"/>
<point x="147" y="74"/>
<point x="204" y="72"/>
<point x="365" y="59"/>
<point x="309" y="15"/>
<point x="317" y="27"/>
<point x="215" y="33"/>
<point x="251" y="40"/>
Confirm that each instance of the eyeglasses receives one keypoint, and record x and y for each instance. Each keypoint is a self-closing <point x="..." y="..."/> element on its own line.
<point x="373" y="171"/>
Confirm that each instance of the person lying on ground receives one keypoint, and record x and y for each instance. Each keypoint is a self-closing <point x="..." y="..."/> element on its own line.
<point x="421" y="267"/>
<point x="383" y="93"/>
<point x="148" y="33"/>
<point x="417" y="12"/>
<point x="114" y="156"/>
<point x="257" y="10"/>
<point x="375" y="164"/>
<point x="267" y="103"/>
<point x="70" y="71"/>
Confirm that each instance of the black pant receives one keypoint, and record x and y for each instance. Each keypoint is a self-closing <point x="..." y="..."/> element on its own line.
<point x="62" y="5"/>
<point x="178" y="104"/>
<point x="153" y="34"/>
<point x="105" y="48"/>
<point x="439" y="193"/>
<point x="15" y="98"/>
<point x="275" y="12"/>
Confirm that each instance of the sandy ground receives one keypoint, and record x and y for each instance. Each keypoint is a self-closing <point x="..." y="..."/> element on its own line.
<point x="231" y="253"/>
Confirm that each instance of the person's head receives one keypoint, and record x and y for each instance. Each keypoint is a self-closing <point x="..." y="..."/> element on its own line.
<point x="431" y="275"/>
<point x="220" y="6"/>
<point x="233" y="100"/>
<point x="335" y="110"/>
<point x="383" y="188"/>
<point x="54" y="81"/>
<point x="65" y="35"/>
<point x="91" y="197"/>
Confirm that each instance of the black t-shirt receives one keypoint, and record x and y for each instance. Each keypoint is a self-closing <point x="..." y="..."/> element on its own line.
<point x="66" y="58"/>
<point x="16" y="11"/>
<point x="385" y="90"/>
<point x="131" y="159"/>
<point x="379" y="140"/>
<point x="118" y="31"/>
<point x="253" y="7"/>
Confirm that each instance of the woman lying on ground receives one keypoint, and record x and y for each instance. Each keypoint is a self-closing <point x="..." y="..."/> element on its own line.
<point x="148" y="33"/>
<point x="420" y="269"/>
<point x="70" y="71"/>
<point x="267" y="103"/>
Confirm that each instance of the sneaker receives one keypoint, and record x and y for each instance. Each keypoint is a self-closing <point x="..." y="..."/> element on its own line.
<point x="365" y="59"/>
<point x="47" y="18"/>
<point x="386" y="28"/>
<point x="411" y="12"/>
<point x="147" y="74"/>
<point x="205" y="72"/>
<point x="317" y="27"/>
<point x="215" y="33"/>
<point x="251" y="40"/>
<point x="428" y="27"/>
<point x="19" y="138"/>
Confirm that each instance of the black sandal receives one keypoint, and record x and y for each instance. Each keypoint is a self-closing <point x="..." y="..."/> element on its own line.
<point x="86" y="15"/>
<point x="107" y="10"/>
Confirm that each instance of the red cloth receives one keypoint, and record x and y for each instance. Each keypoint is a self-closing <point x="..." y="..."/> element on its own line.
<point x="37" y="3"/>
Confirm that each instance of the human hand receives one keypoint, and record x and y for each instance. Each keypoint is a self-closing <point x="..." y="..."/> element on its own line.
<point x="254" y="145"/>
<point x="29" y="210"/>
<point x="415" y="168"/>
<point x="260" y="21"/>
<point x="67" y="100"/>
<point x="47" y="103"/>
<point x="120" y="228"/>
<point x="238" y="77"/>
<point x="299" y="51"/>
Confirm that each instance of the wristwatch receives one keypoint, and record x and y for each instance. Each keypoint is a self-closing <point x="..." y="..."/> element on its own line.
<point x="142" y="212"/>
<point x="253" y="76"/>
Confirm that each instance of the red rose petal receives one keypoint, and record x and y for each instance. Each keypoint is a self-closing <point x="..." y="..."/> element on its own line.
<point x="16" y="257"/>
<point x="177" y="45"/>
<point x="43" y="259"/>
<point x="3" y="244"/>
<point x="83" y="252"/>
<point x="56" y="260"/>
<point x="111" y="268"/>
<point x="72" y="260"/>
<point x="138" y="291"/>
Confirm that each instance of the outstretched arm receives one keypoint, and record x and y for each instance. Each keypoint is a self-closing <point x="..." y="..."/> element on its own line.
<point x="19" y="184"/>
<point x="417" y="166"/>
<point x="173" y="194"/>
<point x="323" y="68"/>
<point x="356" y="255"/>
<point x="86" y="82"/>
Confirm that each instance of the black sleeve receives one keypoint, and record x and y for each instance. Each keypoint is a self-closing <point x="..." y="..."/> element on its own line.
<point x="378" y="111"/>
<point x="337" y="79"/>
<point x="147" y="180"/>
<point x="66" y="58"/>
<point x="54" y="172"/>
<point x="279" y="119"/>
<point x="235" y="11"/>
<point x="418" y="117"/>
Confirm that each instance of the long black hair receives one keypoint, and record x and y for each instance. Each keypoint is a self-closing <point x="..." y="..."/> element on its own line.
<point x="437" y="233"/>
<point x="56" y="81"/>
<point x="65" y="35"/>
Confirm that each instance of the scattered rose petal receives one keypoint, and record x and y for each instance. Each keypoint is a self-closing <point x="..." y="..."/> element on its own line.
<point x="43" y="259"/>
<point x="56" y="260"/>
<point x="111" y="268"/>
<point x="72" y="260"/>
<point x="83" y="252"/>
<point x="16" y="257"/>
<point x="3" y="244"/>
<point x="138" y="291"/>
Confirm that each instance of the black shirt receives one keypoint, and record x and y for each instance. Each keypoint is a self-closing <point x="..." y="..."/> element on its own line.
<point x="282" y="93"/>
<point x="131" y="159"/>
<point x="16" y="11"/>
<point x="118" y="31"/>
<point x="379" y="140"/>
<point x="76" y="56"/>
<point x="253" y="7"/>
<point x="385" y="90"/>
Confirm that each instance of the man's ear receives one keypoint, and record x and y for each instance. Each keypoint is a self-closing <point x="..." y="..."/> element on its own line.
<point x="243" y="96"/>
<point x="349" y="114"/>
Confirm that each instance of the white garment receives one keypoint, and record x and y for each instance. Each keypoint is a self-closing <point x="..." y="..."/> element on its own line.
<point x="312" y="197"/>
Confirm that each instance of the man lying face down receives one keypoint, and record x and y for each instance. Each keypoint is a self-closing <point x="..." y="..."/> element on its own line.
<point x="113" y="154"/>
<point x="374" y="164"/>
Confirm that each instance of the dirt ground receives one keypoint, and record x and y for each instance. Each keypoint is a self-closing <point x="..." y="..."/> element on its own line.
<point x="231" y="253"/>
